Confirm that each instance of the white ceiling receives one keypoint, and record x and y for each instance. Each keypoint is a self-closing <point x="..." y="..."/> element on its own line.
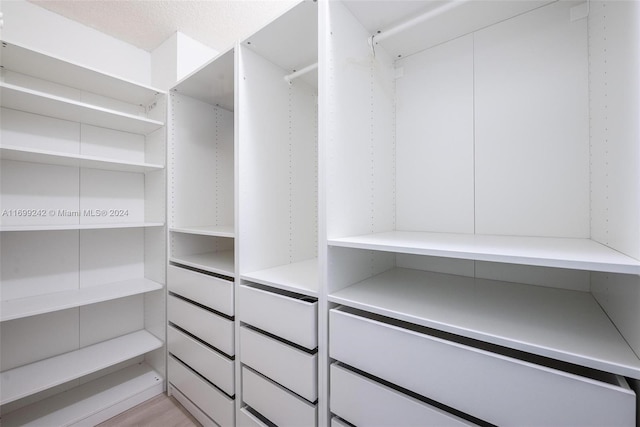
<point x="148" y="23"/>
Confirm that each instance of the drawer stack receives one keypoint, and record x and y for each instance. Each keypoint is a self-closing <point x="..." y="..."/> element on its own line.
<point x="278" y="352"/>
<point x="201" y="349"/>
<point x="465" y="378"/>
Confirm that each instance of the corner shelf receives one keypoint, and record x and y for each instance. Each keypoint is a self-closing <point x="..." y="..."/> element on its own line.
<point x="300" y="277"/>
<point x="579" y="254"/>
<point x="35" y="377"/>
<point x="32" y="101"/>
<point x="74" y="160"/>
<point x="565" y="325"/>
<point x="137" y="382"/>
<point x="64" y="227"/>
<point x="207" y="230"/>
<point x="215" y="262"/>
<point x="45" y="303"/>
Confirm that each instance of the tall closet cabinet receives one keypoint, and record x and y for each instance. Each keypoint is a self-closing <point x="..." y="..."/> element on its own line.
<point x="82" y="240"/>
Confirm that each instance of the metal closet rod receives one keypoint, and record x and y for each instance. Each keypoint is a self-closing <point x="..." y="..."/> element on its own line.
<point x="300" y="72"/>
<point x="389" y="32"/>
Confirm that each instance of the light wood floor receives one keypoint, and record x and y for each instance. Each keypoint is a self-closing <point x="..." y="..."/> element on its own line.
<point x="160" y="411"/>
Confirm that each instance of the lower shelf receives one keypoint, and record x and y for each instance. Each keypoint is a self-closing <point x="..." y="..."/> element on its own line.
<point x="35" y="377"/>
<point x="214" y="262"/>
<point x="301" y="277"/>
<point x="92" y="402"/>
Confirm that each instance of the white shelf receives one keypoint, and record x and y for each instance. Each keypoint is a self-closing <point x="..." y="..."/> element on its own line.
<point x="64" y="227"/>
<point x="129" y="386"/>
<point x="207" y="230"/>
<point x="43" y="66"/>
<point x="561" y="324"/>
<point x="32" y="101"/>
<point x="580" y="254"/>
<point x="35" y="377"/>
<point x="74" y="160"/>
<point x="214" y="262"/>
<point x="300" y="277"/>
<point x="40" y="304"/>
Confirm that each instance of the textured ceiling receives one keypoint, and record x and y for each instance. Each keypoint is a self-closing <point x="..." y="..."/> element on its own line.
<point x="148" y="23"/>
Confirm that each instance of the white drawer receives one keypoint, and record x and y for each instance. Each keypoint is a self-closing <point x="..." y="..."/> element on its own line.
<point x="275" y="403"/>
<point x="218" y="406"/>
<point x="288" y="317"/>
<point x="210" y="364"/>
<point x="291" y="367"/>
<point x="364" y="402"/>
<point x="489" y="386"/>
<point x="337" y="422"/>
<point x="195" y="412"/>
<point x="210" y="291"/>
<point x="247" y="419"/>
<point x="208" y="326"/>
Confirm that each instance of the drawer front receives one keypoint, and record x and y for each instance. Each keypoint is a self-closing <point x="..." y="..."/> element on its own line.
<point x="473" y="380"/>
<point x="218" y="406"/>
<point x="247" y="419"/>
<point x="337" y="422"/>
<point x="190" y="407"/>
<point x="364" y="402"/>
<point x="210" y="291"/>
<point x="208" y="326"/>
<point x="286" y="365"/>
<point x="275" y="403"/>
<point x="212" y="365"/>
<point x="293" y="319"/>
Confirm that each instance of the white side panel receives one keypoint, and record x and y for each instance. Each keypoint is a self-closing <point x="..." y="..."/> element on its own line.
<point x="111" y="255"/>
<point x="36" y="194"/>
<point x="360" y="131"/>
<point x="348" y="266"/>
<point x="112" y="144"/>
<point x="435" y="151"/>
<point x="35" y="263"/>
<point x="111" y="197"/>
<point x="614" y="42"/>
<point x="532" y="125"/>
<point x="27" y="130"/>
<point x="155" y="188"/>
<point x="35" y="338"/>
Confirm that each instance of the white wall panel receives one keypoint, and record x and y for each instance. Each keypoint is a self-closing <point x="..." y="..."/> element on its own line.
<point x="27" y="130"/>
<point x="113" y="144"/>
<point x="531" y="125"/>
<point x="111" y="319"/>
<point x="111" y="197"/>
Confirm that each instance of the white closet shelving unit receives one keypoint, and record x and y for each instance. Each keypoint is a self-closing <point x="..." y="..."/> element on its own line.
<point x="278" y="219"/>
<point x="202" y="270"/>
<point x="481" y="182"/>
<point x="83" y="237"/>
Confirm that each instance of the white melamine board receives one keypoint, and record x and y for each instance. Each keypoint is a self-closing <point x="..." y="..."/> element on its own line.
<point x="278" y="166"/>
<point x="195" y="412"/>
<point x="532" y="125"/>
<point x="615" y="105"/>
<point x="291" y="40"/>
<point x="35" y="377"/>
<point x="581" y="254"/>
<point x="98" y="323"/>
<point x="435" y="141"/>
<point x="47" y="191"/>
<point x="111" y="197"/>
<point x="77" y="213"/>
<point x="202" y="163"/>
<point x="56" y="301"/>
<point x="73" y="405"/>
<point x="155" y="201"/>
<point x="349" y="266"/>
<point x="214" y="262"/>
<point x="301" y="277"/>
<point x="32" y="131"/>
<point x="33" y="101"/>
<point x="31" y="339"/>
<point x="155" y="149"/>
<point x="360" y="131"/>
<point x="211" y="230"/>
<point x="32" y="62"/>
<point x="560" y="324"/>
<point x="212" y="83"/>
<point x="155" y="254"/>
<point x="441" y="27"/>
<point x="74" y="160"/>
<point x="38" y="263"/>
<point x="113" y="144"/>
<point x="108" y="256"/>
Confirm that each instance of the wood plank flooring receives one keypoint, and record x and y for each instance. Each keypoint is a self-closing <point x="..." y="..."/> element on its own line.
<point x="160" y="411"/>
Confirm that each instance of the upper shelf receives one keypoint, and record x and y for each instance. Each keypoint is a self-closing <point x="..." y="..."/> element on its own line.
<point x="207" y="230"/>
<point x="67" y="227"/>
<point x="221" y="262"/>
<point x="557" y="323"/>
<point x="578" y="254"/>
<point x="300" y="277"/>
<point x="40" y="65"/>
<point x="32" y="101"/>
